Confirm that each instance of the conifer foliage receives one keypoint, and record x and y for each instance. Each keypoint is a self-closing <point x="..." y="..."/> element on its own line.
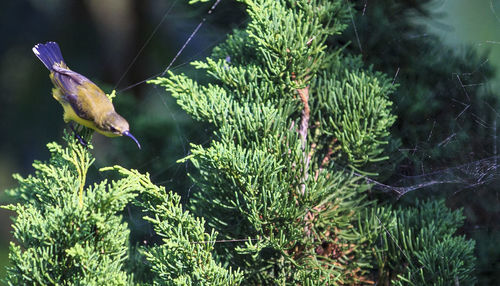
<point x="62" y="239"/>
<point x="292" y="118"/>
<point x="417" y="245"/>
<point x="185" y="255"/>
<point x="296" y="122"/>
<point x="68" y="233"/>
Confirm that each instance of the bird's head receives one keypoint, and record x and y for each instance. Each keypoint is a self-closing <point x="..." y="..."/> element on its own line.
<point x="115" y="125"/>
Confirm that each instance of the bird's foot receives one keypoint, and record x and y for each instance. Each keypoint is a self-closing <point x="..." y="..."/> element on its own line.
<point x="81" y="140"/>
<point x="77" y="136"/>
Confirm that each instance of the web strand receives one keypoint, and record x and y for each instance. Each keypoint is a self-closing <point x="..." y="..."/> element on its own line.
<point x="146" y="43"/>
<point x="190" y="37"/>
<point x="186" y="43"/>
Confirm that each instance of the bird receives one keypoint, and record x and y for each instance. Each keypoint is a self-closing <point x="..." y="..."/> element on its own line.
<point x="82" y="100"/>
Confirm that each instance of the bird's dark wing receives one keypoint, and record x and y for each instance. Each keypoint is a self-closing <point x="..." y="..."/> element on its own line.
<point x="77" y="106"/>
<point x="67" y="79"/>
<point x="70" y="82"/>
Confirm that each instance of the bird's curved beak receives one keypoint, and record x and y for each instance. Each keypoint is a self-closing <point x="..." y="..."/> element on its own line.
<point x="128" y="134"/>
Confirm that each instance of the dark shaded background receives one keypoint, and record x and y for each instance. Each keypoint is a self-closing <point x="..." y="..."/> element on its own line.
<point x="101" y="38"/>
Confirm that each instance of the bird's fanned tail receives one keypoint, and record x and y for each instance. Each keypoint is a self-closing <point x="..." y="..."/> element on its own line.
<point x="50" y="55"/>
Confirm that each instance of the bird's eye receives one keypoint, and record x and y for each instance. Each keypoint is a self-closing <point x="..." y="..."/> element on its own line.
<point x="112" y="129"/>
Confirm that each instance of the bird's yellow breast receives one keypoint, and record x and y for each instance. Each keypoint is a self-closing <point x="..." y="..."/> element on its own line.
<point x="70" y="115"/>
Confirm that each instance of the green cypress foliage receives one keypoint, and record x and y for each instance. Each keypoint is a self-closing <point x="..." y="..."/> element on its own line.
<point x="64" y="240"/>
<point x="290" y="115"/>
<point x="418" y="247"/>
<point x="60" y="239"/>
<point x="293" y="119"/>
<point x="184" y="256"/>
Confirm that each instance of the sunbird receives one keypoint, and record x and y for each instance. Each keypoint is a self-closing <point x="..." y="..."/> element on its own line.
<point x="83" y="101"/>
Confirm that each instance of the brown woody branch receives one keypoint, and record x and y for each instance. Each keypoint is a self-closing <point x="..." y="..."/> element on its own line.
<point x="303" y="130"/>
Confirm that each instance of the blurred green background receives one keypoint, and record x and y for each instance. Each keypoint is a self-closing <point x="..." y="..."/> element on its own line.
<point x="475" y="23"/>
<point x="112" y="43"/>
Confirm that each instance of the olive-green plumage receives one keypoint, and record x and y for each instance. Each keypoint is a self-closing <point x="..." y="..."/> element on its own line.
<point x="82" y="100"/>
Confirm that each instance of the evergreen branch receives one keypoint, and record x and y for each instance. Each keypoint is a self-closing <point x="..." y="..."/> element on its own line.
<point x="61" y="240"/>
<point x="185" y="257"/>
<point x="303" y="131"/>
<point x="254" y="179"/>
<point x="304" y="122"/>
